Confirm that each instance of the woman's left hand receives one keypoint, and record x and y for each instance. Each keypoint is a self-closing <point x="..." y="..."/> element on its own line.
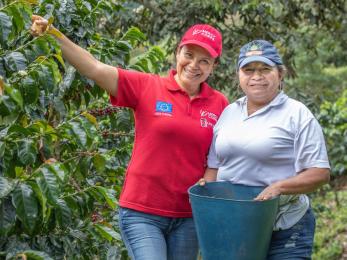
<point x="269" y="193"/>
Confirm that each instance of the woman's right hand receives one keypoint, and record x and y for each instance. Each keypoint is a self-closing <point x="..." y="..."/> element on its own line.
<point x="201" y="182"/>
<point x="210" y="175"/>
<point x="39" y="25"/>
<point x="105" y="76"/>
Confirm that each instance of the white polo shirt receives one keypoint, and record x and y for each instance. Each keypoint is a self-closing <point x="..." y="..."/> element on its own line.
<point x="274" y="143"/>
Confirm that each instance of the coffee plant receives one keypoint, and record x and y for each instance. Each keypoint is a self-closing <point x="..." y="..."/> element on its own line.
<point x="63" y="148"/>
<point x="333" y="117"/>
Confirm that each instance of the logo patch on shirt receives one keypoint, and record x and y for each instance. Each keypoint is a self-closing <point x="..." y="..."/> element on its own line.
<point x="207" y="119"/>
<point x="163" y="108"/>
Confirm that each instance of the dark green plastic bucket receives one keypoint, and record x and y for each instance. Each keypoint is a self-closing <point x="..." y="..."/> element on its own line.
<point x="229" y="223"/>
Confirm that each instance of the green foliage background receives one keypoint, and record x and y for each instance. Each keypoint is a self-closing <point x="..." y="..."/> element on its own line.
<point x="63" y="149"/>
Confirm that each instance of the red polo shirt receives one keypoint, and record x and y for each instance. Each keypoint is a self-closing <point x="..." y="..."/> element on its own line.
<point x="172" y="139"/>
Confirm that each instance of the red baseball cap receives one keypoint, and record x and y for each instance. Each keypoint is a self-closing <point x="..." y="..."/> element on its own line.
<point x="205" y="36"/>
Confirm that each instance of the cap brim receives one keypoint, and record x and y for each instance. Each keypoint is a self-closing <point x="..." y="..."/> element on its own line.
<point x="256" y="58"/>
<point x="207" y="47"/>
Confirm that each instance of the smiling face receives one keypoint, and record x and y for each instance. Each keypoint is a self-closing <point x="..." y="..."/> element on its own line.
<point x="260" y="82"/>
<point x="194" y="65"/>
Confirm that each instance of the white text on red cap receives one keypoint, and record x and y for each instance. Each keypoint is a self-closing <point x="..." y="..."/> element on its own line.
<point x="205" y="33"/>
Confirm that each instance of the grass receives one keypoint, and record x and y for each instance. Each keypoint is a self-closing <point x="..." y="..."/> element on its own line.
<point x="331" y="228"/>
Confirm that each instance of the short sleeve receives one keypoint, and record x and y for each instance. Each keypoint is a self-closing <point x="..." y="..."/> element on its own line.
<point x="225" y="102"/>
<point x="309" y="147"/>
<point x="130" y="87"/>
<point x="212" y="159"/>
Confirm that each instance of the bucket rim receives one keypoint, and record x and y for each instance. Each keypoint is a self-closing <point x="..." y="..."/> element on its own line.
<point x="237" y="200"/>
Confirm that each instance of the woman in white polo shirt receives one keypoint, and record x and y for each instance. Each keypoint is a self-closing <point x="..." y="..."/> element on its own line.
<point x="269" y="139"/>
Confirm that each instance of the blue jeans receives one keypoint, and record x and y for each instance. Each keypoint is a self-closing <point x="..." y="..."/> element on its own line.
<point x="296" y="242"/>
<point x="152" y="237"/>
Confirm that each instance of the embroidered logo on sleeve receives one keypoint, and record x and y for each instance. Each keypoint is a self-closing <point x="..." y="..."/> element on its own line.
<point x="163" y="108"/>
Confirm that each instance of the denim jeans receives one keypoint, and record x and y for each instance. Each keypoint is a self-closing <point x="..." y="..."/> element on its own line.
<point x="152" y="237"/>
<point x="296" y="242"/>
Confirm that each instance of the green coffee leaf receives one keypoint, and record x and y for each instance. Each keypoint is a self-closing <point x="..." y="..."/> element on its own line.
<point x="5" y="28"/>
<point x="15" y="95"/>
<point x="35" y="255"/>
<point x="39" y="192"/>
<point x="109" y="196"/>
<point x="6" y="186"/>
<point x="63" y="213"/>
<point x="27" y="151"/>
<point x="7" y="216"/>
<point x="99" y="162"/>
<point x="26" y="204"/>
<point x="107" y="233"/>
<point x="49" y="185"/>
<point x="15" y="61"/>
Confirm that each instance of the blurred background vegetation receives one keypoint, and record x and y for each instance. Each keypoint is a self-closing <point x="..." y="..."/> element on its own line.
<point x="63" y="149"/>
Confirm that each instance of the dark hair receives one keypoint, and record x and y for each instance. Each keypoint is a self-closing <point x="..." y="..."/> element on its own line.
<point x="282" y="69"/>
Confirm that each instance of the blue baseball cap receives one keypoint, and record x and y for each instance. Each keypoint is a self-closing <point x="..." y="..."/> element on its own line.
<point x="259" y="50"/>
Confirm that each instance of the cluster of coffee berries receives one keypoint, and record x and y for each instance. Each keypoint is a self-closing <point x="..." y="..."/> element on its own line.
<point x="96" y="217"/>
<point x="103" y="111"/>
<point x="107" y="133"/>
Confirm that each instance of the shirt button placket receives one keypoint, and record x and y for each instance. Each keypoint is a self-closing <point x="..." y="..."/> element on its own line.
<point x="189" y="109"/>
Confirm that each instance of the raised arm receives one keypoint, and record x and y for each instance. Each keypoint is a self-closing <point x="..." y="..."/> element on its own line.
<point x="102" y="74"/>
